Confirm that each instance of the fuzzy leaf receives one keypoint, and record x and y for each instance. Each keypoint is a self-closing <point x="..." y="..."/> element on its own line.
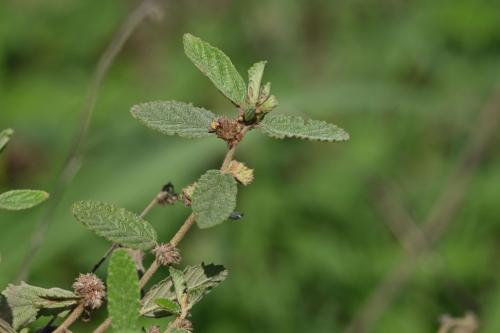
<point x="254" y="80"/>
<point x="200" y="280"/>
<point x="115" y="224"/>
<point x="123" y="293"/>
<point x="23" y="304"/>
<point x="5" y="138"/>
<point x="281" y="126"/>
<point x="168" y="305"/>
<point x="214" y="198"/>
<point x="217" y="67"/>
<point x="174" y="118"/>
<point x="22" y="199"/>
<point x="179" y="283"/>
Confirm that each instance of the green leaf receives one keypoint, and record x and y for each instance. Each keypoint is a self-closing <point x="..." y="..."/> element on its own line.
<point x="174" y="118"/>
<point x="168" y="305"/>
<point x="24" y="303"/>
<point x="22" y="199"/>
<point x="214" y="198"/>
<point x="255" y="74"/>
<point x="281" y="126"/>
<point x="115" y="224"/>
<point x="123" y="293"/>
<point x="200" y="280"/>
<point x="179" y="283"/>
<point x="5" y="138"/>
<point x="217" y="67"/>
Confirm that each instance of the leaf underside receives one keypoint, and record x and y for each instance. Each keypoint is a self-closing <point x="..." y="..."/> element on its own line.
<point x="174" y="118"/>
<point x="22" y="199"/>
<point x="217" y="67"/>
<point x="199" y="279"/>
<point x="214" y="198"/>
<point x="23" y="304"/>
<point x="115" y="224"/>
<point x="283" y="126"/>
<point x="123" y="293"/>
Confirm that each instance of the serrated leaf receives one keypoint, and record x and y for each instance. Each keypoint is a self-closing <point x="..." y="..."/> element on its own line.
<point x="5" y="138"/>
<point x="174" y="118"/>
<point x="282" y="126"/>
<point x="23" y="304"/>
<point x="214" y="198"/>
<point x="117" y="225"/>
<point x="217" y="67"/>
<point x="123" y="293"/>
<point x="200" y="280"/>
<point x="22" y="199"/>
<point x="168" y="305"/>
<point x="255" y="74"/>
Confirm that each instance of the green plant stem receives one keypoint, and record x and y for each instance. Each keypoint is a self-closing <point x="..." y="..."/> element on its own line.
<point x="179" y="235"/>
<point x="73" y="316"/>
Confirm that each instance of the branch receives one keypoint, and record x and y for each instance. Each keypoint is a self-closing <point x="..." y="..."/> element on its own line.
<point x="179" y="235"/>
<point x="74" y="315"/>
<point x="75" y="154"/>
<point x="437" y="222"/>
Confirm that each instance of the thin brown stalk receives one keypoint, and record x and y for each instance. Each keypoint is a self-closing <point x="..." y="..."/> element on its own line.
<point x="73" y="316"/>
<point x="179" y="235"/>
<point x="438" y="221"/>
<point x="76" y="151"/>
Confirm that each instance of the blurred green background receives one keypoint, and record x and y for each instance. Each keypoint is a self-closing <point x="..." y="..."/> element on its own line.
<point x="407" y="79"/>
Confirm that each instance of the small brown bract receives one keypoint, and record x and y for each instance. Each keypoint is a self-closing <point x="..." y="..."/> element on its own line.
<point x="167" y="254"/>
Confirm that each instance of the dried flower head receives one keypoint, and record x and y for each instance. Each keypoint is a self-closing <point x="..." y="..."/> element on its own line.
<point x="91" y="289"/>
<point x="154" y="329"/>
<point x="183" y="323"/>
<point x="167" y="254"/>
<point x="187" y="193"/>
<point x="226" y="129"/>
<point x="240" y="171"/>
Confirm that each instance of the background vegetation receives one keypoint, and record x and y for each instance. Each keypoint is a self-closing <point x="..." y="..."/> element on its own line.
<point x="407" y="80"/>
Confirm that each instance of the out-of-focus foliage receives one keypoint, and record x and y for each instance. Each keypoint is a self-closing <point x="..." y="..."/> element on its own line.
<point x="406" y="79"/>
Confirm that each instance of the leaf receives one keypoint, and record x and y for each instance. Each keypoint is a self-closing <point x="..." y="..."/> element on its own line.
<point x="115" y="224"/>
<point x="22" y="199"/>
<point x="281" y="126"/>
<point x="23" y="304"/>
<point x="123" y="293"/>
<point x="200" y="280"/>
<point x="174" y="118"/>
<point x="217" y="67"/>
<point x="214" y="198"/>
<point x="254" y="80"/>
<point x="5" y="138"/>
<point x="179" y="283"/>
<point x="168" y="305"/>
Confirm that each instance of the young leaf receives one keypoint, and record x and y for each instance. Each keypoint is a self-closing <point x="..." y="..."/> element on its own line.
<point x="214" y="198"/>
<point x="5" y="138"/>
<point x="115" y="224"/>
<point x="168" y="305"/>
<point x="254" y="80"/>
<point x="200" y="280"/>
<point x="281" y="126"/>
<point x="217" y="67"/>
<point x="22" y="199"/>
<point x="123" y="293"/>
<point x="25" y="303"/>
<point x="174" y="118"/>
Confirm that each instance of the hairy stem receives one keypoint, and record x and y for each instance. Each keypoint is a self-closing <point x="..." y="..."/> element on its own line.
<point x="73" y="316"/>
<point x="179" y="235"/>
